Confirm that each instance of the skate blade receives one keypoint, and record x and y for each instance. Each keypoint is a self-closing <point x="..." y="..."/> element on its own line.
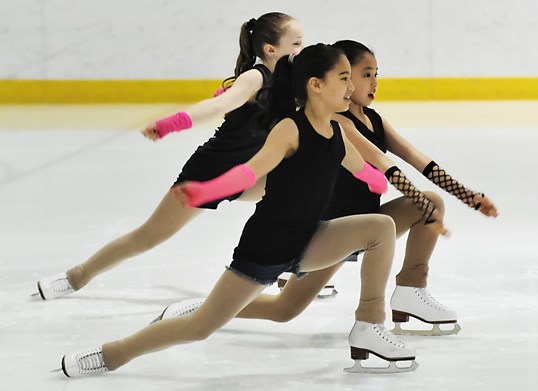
<point x="36" y="297"/>
<point x="435" y="331"/>
<point x="160" y="317"/>
<point x="391" y="368"/>
<point x="157" y="319"/>
<point x="328" y="292"/>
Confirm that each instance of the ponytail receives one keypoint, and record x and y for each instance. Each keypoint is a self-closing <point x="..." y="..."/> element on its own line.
<point x="278" y="100"/>
<point x="247" y="57"/>
<point x="253" y="36"/>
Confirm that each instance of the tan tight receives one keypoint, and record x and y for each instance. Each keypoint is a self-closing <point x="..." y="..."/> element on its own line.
<point x="298" y="294"/>
<point x="420" y="242"/>
<point x="168" y="218"/>
<point x="333" y="241"/>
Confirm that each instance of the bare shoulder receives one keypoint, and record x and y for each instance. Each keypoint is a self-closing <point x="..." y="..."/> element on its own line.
<point x="346" y="125"/>
<point x="286" y="132"/>
<point x="251" y="77"/>
<point x="285" y="126"/>
<point x="343" y="121"/>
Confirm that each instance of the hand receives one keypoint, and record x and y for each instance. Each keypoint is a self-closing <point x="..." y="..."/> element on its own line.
<point x="486" y="206"/>
<point x="379" y="186"/>
<point x="190" y="194"/>
<point x="438" y="225"/>
<point x="181" y="193"/>
<point x="150" y="132"/>
<point x="375" y="179"/>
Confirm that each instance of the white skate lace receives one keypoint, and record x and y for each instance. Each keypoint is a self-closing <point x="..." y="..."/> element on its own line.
<point x="427" y="298"/>
<point x="190" y="308"/>
<point x="61" y="285"/>
<point x="388" y="336"/>
<point x="91" y="362"/>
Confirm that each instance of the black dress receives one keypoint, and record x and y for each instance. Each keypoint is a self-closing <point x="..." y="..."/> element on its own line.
<point x="296" y="192"/>
<point x="352" y="196"/>
<point x="234" y="142"/>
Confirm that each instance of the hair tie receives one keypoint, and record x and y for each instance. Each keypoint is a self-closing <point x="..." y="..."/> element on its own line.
<point x="250" y="24"/>
<point x="291" y="57"/>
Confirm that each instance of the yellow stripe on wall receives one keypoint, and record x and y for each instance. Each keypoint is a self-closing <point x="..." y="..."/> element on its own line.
<point x="458" y="89"/>
<point x="105" y="91"/>
<point x="188" y="91"/>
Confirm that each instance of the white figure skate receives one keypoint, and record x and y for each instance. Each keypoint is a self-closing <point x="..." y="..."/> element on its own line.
<point x="53" y="287"/>
<point x="85" y="363"/>
<point x="419" y="304"/>
<point x="181" y="308"/>
<point x="326" y="292"/>
<point x="366" y="338"/>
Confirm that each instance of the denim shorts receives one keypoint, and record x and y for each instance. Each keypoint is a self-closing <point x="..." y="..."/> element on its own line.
<point x="264" y="274"/>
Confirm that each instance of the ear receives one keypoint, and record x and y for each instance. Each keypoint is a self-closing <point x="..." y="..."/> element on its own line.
<point x="315" y="84"/>
<point x="269" y="50"/>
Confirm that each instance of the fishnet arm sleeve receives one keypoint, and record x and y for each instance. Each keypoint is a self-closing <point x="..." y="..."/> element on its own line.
<point x="439" y="176"/>
<point x="400" y="182"/>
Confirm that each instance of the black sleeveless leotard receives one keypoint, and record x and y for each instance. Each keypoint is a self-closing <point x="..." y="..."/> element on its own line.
<point x="296" y="192"/>
<point x="234" y="142"/>
<point x="352" y="196"/>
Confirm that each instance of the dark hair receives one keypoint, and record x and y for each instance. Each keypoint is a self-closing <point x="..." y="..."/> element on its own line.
<point x="353" y="50"/>
<point x="288" y="90"/>
<point x="267" y="29"/>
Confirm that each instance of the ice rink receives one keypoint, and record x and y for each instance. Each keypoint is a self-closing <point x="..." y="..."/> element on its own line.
<point x="73" y="178"/>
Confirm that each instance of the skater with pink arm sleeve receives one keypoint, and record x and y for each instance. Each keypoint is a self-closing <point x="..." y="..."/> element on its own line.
<point x="373" y="136"/>
<point x="301" y="158"/>
<point x="265" y="40"/>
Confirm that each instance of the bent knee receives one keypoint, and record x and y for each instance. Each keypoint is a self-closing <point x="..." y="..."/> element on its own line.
<point x="201" y="335"/>
<point x="437" y="200"/>
<point x="195" y="334"/>
<point x="382" y="224"/>
<point x="286" y="314"/>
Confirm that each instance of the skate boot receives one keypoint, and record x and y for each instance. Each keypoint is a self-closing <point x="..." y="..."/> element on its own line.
<point x="85" y="363"/>
<point x="53" y="287"/>
<point x="326" y="292"/>
<point x="419" y="304"/>
<point x="181" y="308"/>
<point x="366" y="338"/>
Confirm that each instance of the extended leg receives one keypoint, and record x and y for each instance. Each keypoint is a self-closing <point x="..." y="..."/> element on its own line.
<point x="229" y="296"/>
<point x="168" y="218"/>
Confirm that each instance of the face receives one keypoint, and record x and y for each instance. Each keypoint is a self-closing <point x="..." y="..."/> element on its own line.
<point x="290" y="42"/>
<point x="336" y="87"/>
<point x="364" y="77"/>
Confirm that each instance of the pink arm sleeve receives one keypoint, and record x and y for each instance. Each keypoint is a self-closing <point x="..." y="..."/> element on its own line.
<point x="174" y="123"/>
<point x="375" y="179"/>
<point x="231" y="182"/>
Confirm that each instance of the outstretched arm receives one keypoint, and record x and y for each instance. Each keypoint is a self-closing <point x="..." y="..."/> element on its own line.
<point x="429" y="212"/>
<point x="372" y="154"/>
<point x="282" y="142"/>
<point x="244" y="89"/>
<point x="475" y="200"/>
<point x="431" y="170"/>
